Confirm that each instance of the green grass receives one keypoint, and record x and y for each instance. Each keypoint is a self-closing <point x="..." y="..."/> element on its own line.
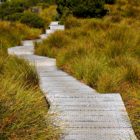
<point x="103" y="53"/>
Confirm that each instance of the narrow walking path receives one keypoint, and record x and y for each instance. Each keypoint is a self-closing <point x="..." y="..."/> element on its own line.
<point x="86" y="114"/>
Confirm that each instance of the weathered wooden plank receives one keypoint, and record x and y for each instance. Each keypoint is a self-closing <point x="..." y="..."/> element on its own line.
<point x="106" y="133"/>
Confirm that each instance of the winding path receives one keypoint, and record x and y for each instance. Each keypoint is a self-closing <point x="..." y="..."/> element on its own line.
<point x="86" y="114"/>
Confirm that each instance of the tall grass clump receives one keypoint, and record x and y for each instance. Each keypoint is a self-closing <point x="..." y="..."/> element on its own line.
<point x="72" y="22"/>
<point x="11" y="33"/>
<point x="23" y="71"/>
<point x="51" y="45"/>
<point x="23" y="108"/>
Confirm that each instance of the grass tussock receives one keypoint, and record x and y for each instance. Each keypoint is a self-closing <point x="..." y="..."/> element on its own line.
<point x="12" y="33"/>
<point x="102" y="53"/>
<point x="23" y="71"/>
<point x="23" y="108"/>
<point x="51" y="45"/>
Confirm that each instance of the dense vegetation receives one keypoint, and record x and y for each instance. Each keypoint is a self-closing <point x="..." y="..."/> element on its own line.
<point x="83" y="8"/>
<point x="23" y="108"/>
<point x="25" y="11"/>
<point x="104" y="53"/>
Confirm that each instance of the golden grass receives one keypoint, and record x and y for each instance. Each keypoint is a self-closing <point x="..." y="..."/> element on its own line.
<point x="23" y="108"/>
<point x="12" y="33"/>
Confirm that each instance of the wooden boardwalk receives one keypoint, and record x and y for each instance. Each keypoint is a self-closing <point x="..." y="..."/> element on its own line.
<point x="86" y="114"/>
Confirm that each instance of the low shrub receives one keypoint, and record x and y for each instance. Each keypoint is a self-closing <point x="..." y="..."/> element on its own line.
<point x="88" y="8"/>
<point x="32" y="20"/>
<point x="110" y="1"/>
<point x="48" y="14"/>
<point x="9" y="8"/>
<point x="14" y="17"/>
<point x="17" y="11"/>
